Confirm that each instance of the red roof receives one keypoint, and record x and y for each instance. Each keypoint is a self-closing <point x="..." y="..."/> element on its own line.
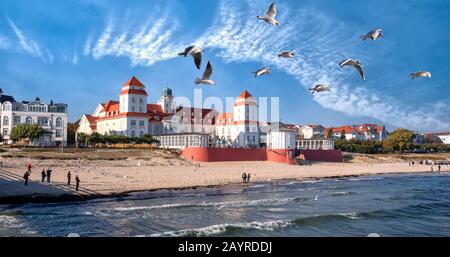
<point x="92" y="121"/>
<point x="154" y="108"/>
<point x="111" y="106"/>
<point x="244" y="95"/>
<point x="133" y="82"/>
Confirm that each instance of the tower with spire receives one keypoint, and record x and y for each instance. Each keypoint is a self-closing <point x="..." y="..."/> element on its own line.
<point x="166" y="100"/>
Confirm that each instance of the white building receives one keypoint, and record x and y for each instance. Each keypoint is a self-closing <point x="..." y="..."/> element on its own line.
<point x="311" y="131"/>
<point x="240" y="127"/>
<point x="52" y="117"/>
<point x="132" y="116"/>
<point x="315" y="144"/>
<point x="183" y="140"/>
<point x="281" y="139"/>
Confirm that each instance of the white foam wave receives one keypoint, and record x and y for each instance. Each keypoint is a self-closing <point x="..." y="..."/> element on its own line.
<point x="257" y="202"/>
<point x="221" y="228"/>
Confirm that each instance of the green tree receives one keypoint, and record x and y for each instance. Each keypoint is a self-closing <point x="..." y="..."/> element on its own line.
<point x="95" y="138"/>
<point x="26" y="131"/>
<point x="399" y="140"/>
<point x="71" y="131"/>
<point x="330" y="133"/>
<point x="342" y="135"/>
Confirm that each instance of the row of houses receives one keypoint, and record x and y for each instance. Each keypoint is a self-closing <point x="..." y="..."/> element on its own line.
<point x="362" y="132"/>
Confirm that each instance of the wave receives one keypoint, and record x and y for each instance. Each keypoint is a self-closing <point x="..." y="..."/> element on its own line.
<point x="258" y="202"/>
<point x="272" y="225"/>
<point x="11" y="222"/>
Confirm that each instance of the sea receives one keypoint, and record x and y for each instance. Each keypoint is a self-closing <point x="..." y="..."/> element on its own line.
<point x="385" y="205"/>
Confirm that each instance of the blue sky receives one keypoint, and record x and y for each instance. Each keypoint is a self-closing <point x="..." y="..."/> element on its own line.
<point x="81" y="52"/>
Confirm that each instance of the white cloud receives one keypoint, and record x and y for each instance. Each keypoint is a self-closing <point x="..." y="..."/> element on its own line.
<point x="28" y="45"/>
<point x="4" y="43"/>
<point x="319" y="42"/>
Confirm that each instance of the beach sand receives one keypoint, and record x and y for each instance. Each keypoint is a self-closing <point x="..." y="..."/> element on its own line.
<point x="114" y="177"/>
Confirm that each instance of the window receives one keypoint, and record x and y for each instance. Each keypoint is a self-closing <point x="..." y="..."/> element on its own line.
<point x="59" y="133"/>
<point x="140" y="109"/>
<point x="141" y="123"/>
<point x="5" y="121"/>
<point x="59" y="123"/>
<point x="5" y="132"/>
<point x="133" y="133"/>
<point x="140" y="100"/>
<point x="43" y="121"/>
<point x="133" y="123"/>
<point x="141" y="134"/>
<point x="16" y="120"/>
<point x="28" y="120"/>
<point x="133" y="109"/>
<point x="133" y="100"/>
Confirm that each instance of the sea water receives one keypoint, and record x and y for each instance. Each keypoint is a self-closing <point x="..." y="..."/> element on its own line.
<point x="388" y="205"/>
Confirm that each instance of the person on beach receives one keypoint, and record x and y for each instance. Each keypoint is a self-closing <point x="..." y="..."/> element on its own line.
<point x="26" y="176"/>
<point x="248" y="178"/>
<point x="29" y="167"/>
<point x="432" y="168"/>
<point x="49" y="174"/>
<point x="69" y="175"/>
<point x="77" y="182"/>
<point x="244" y="177"/>
<point x="439" y="168"/>
<point x="43" y="175"/>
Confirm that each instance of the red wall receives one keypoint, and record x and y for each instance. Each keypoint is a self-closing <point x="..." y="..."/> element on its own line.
<point x="323" y="155"/>
<point x="206" y="154"/>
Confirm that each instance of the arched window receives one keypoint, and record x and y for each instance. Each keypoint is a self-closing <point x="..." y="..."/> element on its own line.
<point x="5" y="121"/>
<point x="59" y="122"/>
<point x="28" y="120"/>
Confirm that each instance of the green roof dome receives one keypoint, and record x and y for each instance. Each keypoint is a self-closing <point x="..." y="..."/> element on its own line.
<point x="167" y="91"/>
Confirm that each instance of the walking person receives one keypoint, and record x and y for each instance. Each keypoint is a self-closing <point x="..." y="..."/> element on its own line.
<point x="43" y="175"/>
<point x="439" y="168"/>
<point x="69" y="176"/>
<point x="29" y="167"/>
<point x="244" y="177"/>
<point x="49" y="174"/>
<point x="26" y="176"/>
<point x="248" y="178"/>
<point x="77" y="182"/>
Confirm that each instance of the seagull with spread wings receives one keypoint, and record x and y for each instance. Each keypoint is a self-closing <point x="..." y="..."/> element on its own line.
<point x="355" y="64"/>
<point x="270" y="15"/>
<point x="262" y="71"/>
<point x="319" y="88"/>
<point x="420" y="74"/>
<point x="195" y="52"/>
<point x="206" y="79"/>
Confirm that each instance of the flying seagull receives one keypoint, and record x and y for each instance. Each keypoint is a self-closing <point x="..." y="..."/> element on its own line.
<point x="319" y="88"/>
<point x="262" y="71"/>
<point x="373" y="34"/>
<point x="270" y="15"/>
<point x="356" y="64"/>
<point x="206" y="79"/>
<point x="420" y="74"/>
<point x="286" y="54"/>
<point x="195" y="52"/>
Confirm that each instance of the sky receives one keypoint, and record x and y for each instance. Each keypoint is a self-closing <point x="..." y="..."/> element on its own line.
<point x="81" y="52"/>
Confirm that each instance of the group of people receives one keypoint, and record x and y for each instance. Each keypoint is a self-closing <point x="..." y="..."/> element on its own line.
<point x="47" y="174"/>
<point x="246" y="178"/>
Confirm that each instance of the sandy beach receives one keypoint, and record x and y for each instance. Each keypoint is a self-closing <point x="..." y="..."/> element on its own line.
<point x="114" y="177"/>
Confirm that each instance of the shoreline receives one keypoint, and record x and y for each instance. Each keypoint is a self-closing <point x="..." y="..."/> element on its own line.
<point x="67" y="198"/>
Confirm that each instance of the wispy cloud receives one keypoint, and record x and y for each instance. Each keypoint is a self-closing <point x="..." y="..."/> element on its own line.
<point x="28" y="45"/>
<point x="146" y="46"/>
<point x="319" y="42"/>
<point x="4" y="43"/>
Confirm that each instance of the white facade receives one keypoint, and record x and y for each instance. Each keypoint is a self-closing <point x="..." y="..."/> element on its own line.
<point x="181" y="141"/>
<point x="445" y="139"/>
<point x="281" y="139"/>
<point x="311" y="131"/>
<point x="315" y="144"/>
<point x="51" y="117"/>
<point x="239" y="128"/>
